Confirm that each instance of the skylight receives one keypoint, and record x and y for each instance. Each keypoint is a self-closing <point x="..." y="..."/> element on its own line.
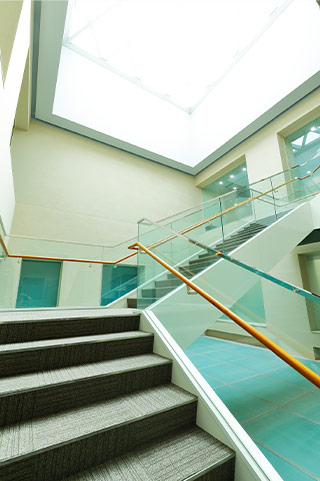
<point x="176" y="49"/>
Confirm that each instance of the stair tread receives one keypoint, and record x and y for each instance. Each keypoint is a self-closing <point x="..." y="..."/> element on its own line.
<point x="21" y="316"/>
<point x="47" y="343"/>
<point x="43" y="379"/>
<point x="38" y="435"/>
<point x="174" y="458"/>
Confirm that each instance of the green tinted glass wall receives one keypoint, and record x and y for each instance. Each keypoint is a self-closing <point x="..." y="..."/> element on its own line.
<point x="116" y="282"/>
<point x="236" y="179"/>
<point x="39" y="284"/>
<point x="302" y="147"/>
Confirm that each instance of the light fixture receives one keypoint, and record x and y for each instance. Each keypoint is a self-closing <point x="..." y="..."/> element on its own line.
<point x="234" y="188"/>
<point x="231" y="176"/>
<point x="313" y="128"/>
<point x="309" y="172"/>
<point x="244" y="169"/>
<point x="220" y="182"/>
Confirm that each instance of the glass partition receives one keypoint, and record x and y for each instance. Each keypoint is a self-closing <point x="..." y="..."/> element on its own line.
<point x="303" y="148"/>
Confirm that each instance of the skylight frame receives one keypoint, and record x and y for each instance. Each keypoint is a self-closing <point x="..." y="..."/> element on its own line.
<point x="136" y="81"/>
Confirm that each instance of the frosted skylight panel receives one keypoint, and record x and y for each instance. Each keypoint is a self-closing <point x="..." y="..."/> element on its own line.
<point x="176" y="49"/>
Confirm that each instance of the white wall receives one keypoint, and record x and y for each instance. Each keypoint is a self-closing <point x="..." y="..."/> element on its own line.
<point x="71" y="188"/>
<point x="16" y="51"/>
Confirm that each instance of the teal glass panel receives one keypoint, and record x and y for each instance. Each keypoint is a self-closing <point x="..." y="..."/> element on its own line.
<point x="303" y="148"/>
<point x="39" y="283"/>
<point x="116" y="282"/>
<point x="236" y="179"/>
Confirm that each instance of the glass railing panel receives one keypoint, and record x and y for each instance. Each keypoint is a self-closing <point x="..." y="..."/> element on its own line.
<point x="278" y="312"/>
<point x="259" y="388"/>
<point x="190" y="219"/>
<point x="40" y="275"/>
<point x="28" y="246"/>
<point x="154" y="280"/>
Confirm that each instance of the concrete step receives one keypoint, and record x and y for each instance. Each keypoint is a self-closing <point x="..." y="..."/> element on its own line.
<point x="53" y="447"/>
<point x="192" y="454"/>
<point x="47" y="392"/>
<point x="31" y="356"/>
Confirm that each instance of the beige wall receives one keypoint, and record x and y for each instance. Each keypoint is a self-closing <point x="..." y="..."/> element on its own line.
<point x="14" y="45"/>
<point x="9" y="17"/>
<point x="71" y="188"/>
<point x="264" y="152"/>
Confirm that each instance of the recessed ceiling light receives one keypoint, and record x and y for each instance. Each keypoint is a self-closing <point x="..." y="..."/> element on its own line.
<point x="244" y="169"/>
<point x="309" y="172"/>
<point x="220" y="182"/>
<point x="231" y="176"/>
<point x="234" y="188"/>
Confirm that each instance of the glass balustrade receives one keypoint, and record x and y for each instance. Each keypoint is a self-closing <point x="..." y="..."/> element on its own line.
<point x="82" y="283"/>
<point x="39" y="275"/>
<point x="267" y="397"/>
<point x="223" y="224"/>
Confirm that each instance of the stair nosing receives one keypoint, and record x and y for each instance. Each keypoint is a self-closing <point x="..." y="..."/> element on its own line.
<point x="206" y="470"/>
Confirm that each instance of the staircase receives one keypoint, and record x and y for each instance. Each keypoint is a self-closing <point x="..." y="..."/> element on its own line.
<point x="83" y="397"/>
<point x="162" y="287"/>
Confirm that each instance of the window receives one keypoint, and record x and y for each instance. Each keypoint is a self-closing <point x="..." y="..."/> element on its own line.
<point x="39" y="284"/>
<point x="116" y="282"/>
<point x="303" y="148"/>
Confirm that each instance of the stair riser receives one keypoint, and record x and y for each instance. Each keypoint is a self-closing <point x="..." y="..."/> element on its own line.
<point x="132" y="303"/>
<point x="20" y="362"/>
<point x="58" y="463"/>
<point x="223" y="472"/>
<point x="156" y="293"/>
<point x="172" y="283"/>
<point x="53" y="399"/>
<point x="37" y="331"/>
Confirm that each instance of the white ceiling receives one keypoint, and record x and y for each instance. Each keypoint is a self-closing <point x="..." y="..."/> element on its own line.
<point x="214" y="76"/>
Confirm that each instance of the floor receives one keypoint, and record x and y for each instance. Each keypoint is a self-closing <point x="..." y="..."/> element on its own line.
<point x="277" y="407"/>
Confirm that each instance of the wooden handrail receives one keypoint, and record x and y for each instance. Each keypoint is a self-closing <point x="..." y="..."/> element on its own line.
<point x="285" y="356"/>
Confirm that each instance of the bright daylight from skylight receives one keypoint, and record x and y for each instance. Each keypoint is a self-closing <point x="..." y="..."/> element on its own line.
<point x="176" y="49"/>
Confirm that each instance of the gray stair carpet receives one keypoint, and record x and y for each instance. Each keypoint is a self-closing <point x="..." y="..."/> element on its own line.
<point x="54" y="353"/>
<point x="47" y="392"/>
<point x="44" y="433"/>
<point x="190" y="450"/>
<point x="98" y="405"/>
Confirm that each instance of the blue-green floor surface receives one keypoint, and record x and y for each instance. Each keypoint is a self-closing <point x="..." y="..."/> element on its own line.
<point x="277" y="407"/>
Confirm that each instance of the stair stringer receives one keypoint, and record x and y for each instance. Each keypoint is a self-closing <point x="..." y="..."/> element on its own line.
<point x="186" y="317"/>
<point x="212" y="414"/>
